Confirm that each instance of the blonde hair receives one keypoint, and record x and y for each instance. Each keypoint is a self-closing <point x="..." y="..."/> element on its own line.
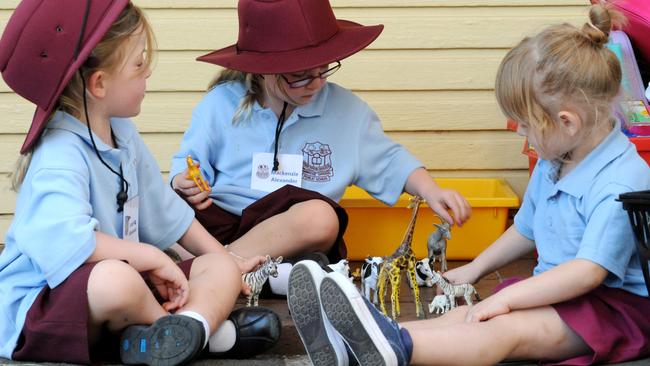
<point x="562" y="64"/>
<point x="108" y="55"/>
<point x="254" y="84"/>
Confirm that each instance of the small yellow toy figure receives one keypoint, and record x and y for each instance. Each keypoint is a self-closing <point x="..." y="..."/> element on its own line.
<point x="196" y="176"/>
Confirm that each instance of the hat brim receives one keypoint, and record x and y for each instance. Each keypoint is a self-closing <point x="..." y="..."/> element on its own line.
<point x="42" y="114"/>
<point x="350" y="39"/>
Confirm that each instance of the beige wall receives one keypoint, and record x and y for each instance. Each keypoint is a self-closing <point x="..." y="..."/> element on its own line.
<point x="429" y="76"/>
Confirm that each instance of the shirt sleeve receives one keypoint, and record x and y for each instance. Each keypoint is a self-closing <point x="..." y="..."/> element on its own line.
<point x="608" y="239"/>
<point x="163" y="216"/>
<point x="383" y="165"/>
<point x="56" y="229"/>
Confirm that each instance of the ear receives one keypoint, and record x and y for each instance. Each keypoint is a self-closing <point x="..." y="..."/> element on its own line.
<point x="570" y="122"/>
<point x="97" y="83"/>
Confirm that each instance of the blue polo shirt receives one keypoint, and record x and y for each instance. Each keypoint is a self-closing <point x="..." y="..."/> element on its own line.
<point x="578" y="216"/>
<point x="67" y="195"/>
<point x="336" y="124"/>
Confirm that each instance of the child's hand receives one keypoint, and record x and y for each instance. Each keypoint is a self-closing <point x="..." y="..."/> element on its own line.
<point x="184" y="184"/>
<point x="487" y="309"/>
<point x="463" y="274"/>
<point x="171" y="284"/>
<point x="247" y="265"/>
<point x="442" y="200"/>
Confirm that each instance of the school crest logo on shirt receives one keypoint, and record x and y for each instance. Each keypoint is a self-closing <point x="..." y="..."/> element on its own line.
<point x="262" y="171"/>
<point x="317" y="162"/>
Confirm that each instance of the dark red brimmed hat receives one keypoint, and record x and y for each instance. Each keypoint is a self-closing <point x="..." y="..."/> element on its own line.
<point x="41" y="49"/>
<point x="281" y="36"/>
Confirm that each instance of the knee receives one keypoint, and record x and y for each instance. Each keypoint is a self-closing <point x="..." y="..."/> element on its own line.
<point x="319" y="221"/>
<point x="215" y="265"/>
<point x="116" y="285"/>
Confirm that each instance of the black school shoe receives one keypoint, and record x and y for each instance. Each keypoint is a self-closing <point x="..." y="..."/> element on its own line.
<point x="170" y="340"/>
<point x="258" y="329"/>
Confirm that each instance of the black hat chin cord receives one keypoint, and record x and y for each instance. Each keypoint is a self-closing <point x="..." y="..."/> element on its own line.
<point x="278" y="128"/>
<point x="122" y="195"/>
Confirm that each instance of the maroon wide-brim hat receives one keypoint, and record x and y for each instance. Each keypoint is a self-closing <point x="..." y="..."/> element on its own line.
<point x="41" y="49"/>
<point x="281" y="36"/>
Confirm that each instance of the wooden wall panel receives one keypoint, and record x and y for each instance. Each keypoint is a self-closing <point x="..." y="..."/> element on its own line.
<point x="429" y="76"/>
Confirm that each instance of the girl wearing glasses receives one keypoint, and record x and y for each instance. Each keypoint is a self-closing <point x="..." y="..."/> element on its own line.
<point x="278" y="144"/>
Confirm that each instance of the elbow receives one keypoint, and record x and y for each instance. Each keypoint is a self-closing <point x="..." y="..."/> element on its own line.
<point x="593" y="275"/>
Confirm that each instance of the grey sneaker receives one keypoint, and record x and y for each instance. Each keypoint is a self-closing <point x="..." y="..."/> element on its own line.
<point x="374" y="338"/>
<point x="323" y="344"/>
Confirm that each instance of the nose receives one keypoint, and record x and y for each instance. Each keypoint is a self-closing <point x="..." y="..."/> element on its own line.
<point x="315" y="83"/>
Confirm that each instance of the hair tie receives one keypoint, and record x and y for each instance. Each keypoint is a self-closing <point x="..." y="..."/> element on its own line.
<point x="594" y="27"/>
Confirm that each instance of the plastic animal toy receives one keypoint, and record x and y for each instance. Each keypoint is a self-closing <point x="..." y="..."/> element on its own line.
<point x="440" y="304"/>
<point x="452" y="291"/>
<point x="437" y="245"/>
<point x="196" y="175"/>
<point x="369" y="277"/>
<point x="423" y="273"/>
<point x="257" y="278"/>
<point x="402" y="259"/>
<point x="342" y="267"/>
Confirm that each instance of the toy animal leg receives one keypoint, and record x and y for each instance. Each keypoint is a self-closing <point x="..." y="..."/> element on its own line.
<point x="381" y="282"/>
<point x="468" y="298"/>
<point x="443" y="260"/>
<point x="256" y="299"/>
<point x="419" y="311"/>
<point x="394" y="296"/>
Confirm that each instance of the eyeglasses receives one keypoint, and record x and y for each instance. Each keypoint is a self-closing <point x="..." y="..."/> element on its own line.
<point x="306" y="81"/>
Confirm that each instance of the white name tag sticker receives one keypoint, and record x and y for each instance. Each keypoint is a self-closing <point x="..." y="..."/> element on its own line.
<point x="263" y="177"/>
<point x="130" y="220"/>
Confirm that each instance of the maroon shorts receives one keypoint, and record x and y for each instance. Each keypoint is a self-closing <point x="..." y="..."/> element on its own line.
<point x="615" y="323"/>
<point x="56" y="326"/>
<point x="227" y="227"/>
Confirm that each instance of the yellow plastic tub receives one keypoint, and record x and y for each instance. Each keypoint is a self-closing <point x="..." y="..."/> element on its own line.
<point x="377" y="230"/>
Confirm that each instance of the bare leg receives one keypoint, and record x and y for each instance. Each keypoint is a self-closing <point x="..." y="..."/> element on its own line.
<point x="118" y="297"/>
<point x="306" y="227"/>
<point x="526" y="334"/>
<point x="455" y="316"/>
<point x="215" y="283"/>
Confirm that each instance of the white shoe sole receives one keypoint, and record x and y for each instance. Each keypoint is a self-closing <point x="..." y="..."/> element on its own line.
<point x="324" y="345"/>
<point x="348" y="313"/>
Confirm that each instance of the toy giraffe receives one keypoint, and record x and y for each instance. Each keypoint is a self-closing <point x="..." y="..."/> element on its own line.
<point x="402" y="259"/>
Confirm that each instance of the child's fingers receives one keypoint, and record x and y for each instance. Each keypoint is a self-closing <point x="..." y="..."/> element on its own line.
<point x="245" y="288"/>
<point x="441" y="210"/>
<point x="207" y="202"/>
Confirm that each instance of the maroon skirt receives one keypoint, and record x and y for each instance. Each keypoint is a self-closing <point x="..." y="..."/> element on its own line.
<point x="615" y="323"/>
<point x="56" y="326"/>
<point x="227" y="227"/>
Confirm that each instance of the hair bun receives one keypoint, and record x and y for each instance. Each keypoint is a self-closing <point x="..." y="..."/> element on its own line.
<point x="602" y="19"/>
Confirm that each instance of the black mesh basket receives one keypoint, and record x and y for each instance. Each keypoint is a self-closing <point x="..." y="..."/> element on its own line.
<point x="637" y="205"/>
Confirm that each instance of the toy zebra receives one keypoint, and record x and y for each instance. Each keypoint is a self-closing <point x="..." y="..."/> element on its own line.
<point x="437" y="245"/>
<point x="452" y="291"/>
<point x="257" y="278"/>
<point x="369" y="277"/>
